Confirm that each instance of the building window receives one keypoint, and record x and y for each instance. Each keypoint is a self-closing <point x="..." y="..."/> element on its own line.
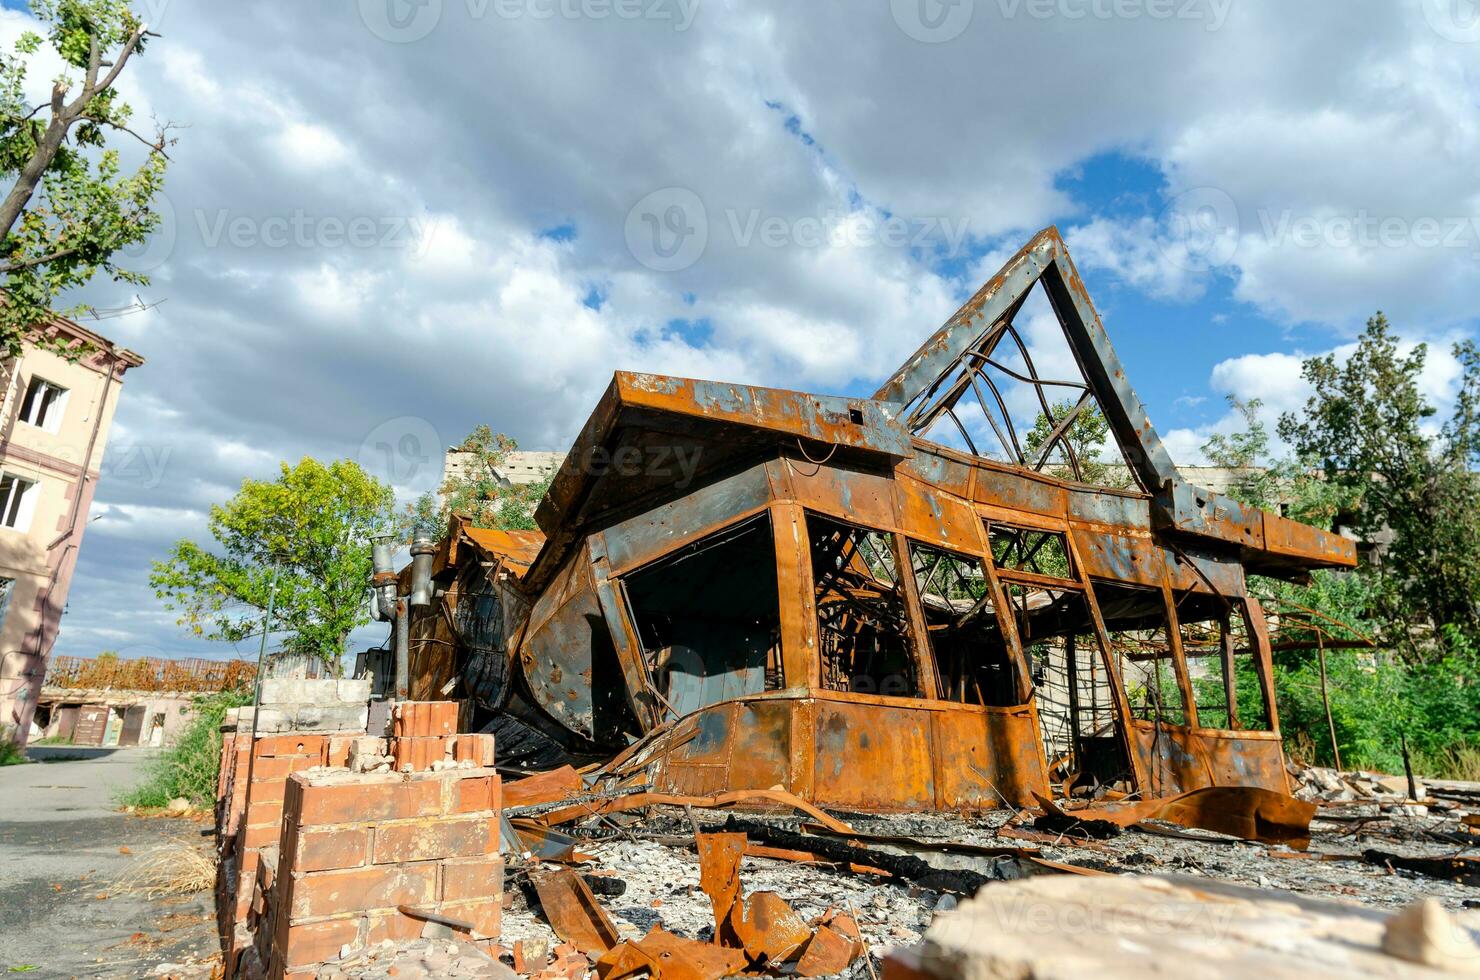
<point x="44" y="404"/>
<point x="17" y="501"/>
<point x="7" y="586"/>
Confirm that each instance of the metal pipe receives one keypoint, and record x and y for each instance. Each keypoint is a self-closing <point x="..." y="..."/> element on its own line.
<point x="422" y="550"/>
<point x="383" y="578"/>
<point x="403" y="651"/>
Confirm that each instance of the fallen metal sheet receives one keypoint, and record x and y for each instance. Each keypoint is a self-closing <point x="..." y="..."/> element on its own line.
<point x="764" y="925"/>
<point x="1238" y="811"/>
<point x="1465" y="870"/>
<point x="543" y="787"/>
<point x="573" y="912"/>
<point x="663" y="956"/>
<point x="638" y="801"/>
<point x="545" y="843"/>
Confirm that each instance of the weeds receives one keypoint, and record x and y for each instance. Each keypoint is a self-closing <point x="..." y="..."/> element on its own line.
<point x="11" y="754"/>
<point x="188" y="768"/>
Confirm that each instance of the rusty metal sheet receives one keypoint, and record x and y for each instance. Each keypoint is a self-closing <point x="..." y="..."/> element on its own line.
<point x="518" y="549"/>
<point x="861" y="423"/>
<point x="1239" y="811"/>
<point x="936" y="754"/>
<point x="573" y="912"/>
<point x="1178" y="759"/>
<point x="663" y="956"/>
<point x="541" y="787"/>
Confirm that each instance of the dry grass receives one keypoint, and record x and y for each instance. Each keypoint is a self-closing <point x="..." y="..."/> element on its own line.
<point x="178" y="868"/>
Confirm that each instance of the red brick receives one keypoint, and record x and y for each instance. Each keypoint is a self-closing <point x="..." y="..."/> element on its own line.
<point x="260" y="835"/>
<point x="315" y="942"/>
<point x="330" y="892"/>
<point x="474" y="748"/>
<point x="336" y="751"/>
<point x="424" y="718"/>
<point x="269" y="746"/>
<point x="486" y="915"/>
<point x="419" y="753"/>
<point x="357" y="802"/>
<point x="472" y="878"/>
<point x="282" y="766"/>
<point x="477" y="793"/>
<point x="265" y="812"/>
<point x="329" y="849"/>
<point x="268" y="791"/>
<point x="431" y="839"/>
<point x="395" y="926"/>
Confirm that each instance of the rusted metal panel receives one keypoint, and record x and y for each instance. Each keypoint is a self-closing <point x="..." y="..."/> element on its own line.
<point x="938" y="518"/>
<point x="663" y="529"/>
<point x="861" y="752"/>
<point x="1178" y="759"/>
<point x="1130" y="558"/>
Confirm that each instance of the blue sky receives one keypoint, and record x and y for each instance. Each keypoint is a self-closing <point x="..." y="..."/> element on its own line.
<point x="387" y="221"/>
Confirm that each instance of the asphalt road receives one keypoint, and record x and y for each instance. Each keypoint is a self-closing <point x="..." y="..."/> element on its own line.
<point x="63" y="843"/>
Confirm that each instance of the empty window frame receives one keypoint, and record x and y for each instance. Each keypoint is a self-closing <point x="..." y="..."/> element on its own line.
<point x="709" y="619"/>
<point x="972" y="659"/>
<point x="1026" y="549"/>
<point x="1141" y="645"/>
<point x="862" y="617"/>
<point x="43" y="404"/>
<point x="1221" y="660"/>
<point x="17" y="500"/>
<point x="7" y="588"/>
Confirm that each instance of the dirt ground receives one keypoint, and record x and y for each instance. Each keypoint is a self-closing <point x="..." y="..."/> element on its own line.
<point x="63" y="845"/>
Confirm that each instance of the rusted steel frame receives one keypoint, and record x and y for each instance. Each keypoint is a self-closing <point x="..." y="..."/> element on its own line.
<point x="1058" y="431"/>
<point x="991" y="419"/>
<point x="930" y="406"/>
<point x="1042" y="399"/>
<point x="801" y="663"/>
<point x="1225" y="655"/>
<point x="904" y="573"/>
<point x="970" y="443"/>
<point x="939" y="354"/>
<point x="1179" y="656"/>
<point x="1015" y="447"/>
<point x="1006" y="621"/>
<point x="1020" y="577"/>
<point x="1263" y="661"/>
<point x="611" y="595"/>
<point x="1107" y="657"/>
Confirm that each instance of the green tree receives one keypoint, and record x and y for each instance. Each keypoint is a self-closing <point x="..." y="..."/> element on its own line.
<point x="1087" y="436"/>
<point x="71" y="206"/>
<point x="1370" y="430"/>
<point x="315" y="523"/>
<point x="478" y="493"/>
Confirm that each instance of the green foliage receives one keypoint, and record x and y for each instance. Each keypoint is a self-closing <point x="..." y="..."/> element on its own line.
<point x="1365" y="449"/>
<point x="1087" y="436"/>
<point x="71" y="206"/>
<point x="188" y="767"/>
<point x="11" y="754"/>
<point x="315" y="523"/>
<point x="1368" y="428"/>
<point x="478" y="493"/>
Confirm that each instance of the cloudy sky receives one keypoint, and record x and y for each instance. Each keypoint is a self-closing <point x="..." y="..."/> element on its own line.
<point x="390" y="220"/>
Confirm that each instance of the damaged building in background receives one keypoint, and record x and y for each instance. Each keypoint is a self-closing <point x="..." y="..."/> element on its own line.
<point x="897" y="603"/>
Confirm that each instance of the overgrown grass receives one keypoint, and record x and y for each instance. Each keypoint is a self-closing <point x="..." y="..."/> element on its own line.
<point x="188" y="767"/>
<point x="11" y="754"/>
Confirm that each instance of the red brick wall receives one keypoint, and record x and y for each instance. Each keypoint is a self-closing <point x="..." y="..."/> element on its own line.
<point x="354" y="847"/>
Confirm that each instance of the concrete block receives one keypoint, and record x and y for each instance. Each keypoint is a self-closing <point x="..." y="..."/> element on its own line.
<point x="353" y="690"/>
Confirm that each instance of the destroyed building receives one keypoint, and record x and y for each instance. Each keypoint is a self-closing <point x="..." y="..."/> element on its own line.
<point x="894" y="603"/>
